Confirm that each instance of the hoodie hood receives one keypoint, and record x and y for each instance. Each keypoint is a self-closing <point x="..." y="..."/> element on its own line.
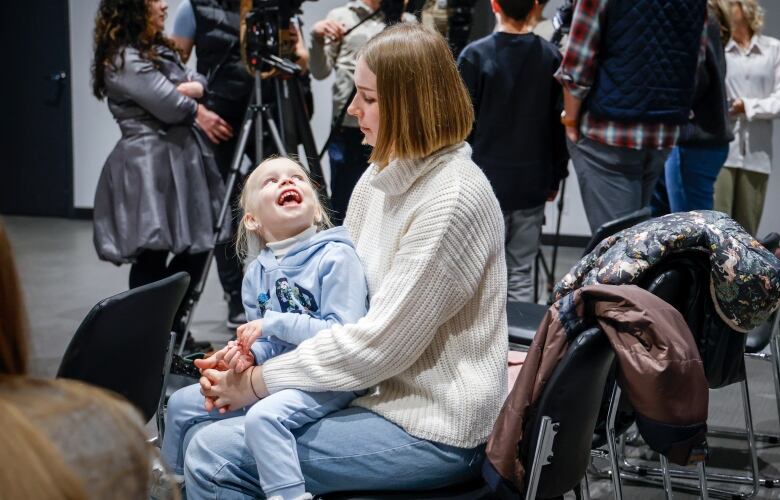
<point x="304" y="250"/>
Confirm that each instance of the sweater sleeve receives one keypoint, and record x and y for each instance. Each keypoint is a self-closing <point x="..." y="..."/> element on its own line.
<point x="421" y="290"/>
<point x="139" y="81"/>
<point x="322" y="58"/>
<point x="343" y="299"/>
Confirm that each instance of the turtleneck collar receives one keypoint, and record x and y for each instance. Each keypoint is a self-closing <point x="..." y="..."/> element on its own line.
<point x="280" y="248"/>
<point x="399" y="175"/>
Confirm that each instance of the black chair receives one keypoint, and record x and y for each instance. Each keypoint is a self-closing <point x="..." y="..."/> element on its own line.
<point x="683" y="281"/>
<point x="523" y="318"/>
<point x="558" y="429"/>
<point x="125" y="342"/>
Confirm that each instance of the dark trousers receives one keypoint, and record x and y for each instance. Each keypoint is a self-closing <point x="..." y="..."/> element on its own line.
<point x="348" y="161"/>
<point x="153" y="265"/>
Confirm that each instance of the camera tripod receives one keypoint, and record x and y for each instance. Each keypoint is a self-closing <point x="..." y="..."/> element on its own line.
<point x="256" y="113"/>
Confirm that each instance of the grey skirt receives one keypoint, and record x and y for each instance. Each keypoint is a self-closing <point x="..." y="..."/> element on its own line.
<point x="159" y="190"/>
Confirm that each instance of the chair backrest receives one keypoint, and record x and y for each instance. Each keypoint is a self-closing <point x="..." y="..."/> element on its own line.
<point x="615" y="226"/>
<point x="572" y="399"/>
<point x="121" y="345"/>
<point x="683" y="280"/>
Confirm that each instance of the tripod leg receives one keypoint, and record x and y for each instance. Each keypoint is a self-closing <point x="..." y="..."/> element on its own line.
<point x="280" y="90"/>
<point x="258" y="93"/>
<point x="306" y="136"/>
<point x="269" y="120"/>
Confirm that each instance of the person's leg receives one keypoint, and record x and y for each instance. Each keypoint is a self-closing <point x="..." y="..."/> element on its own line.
<point x="149" y="266"/>
<point x="668" y="191"/>
<point x="699" y="169"/>
<point x="652" y="170"/>
<point x="348" y="160"/>
<point x="523" y="232"/>
<point x="724" y="190"/>
<point x="749" y="196"/>
<point x="185" y="409"/>
<point x="269" y="437"/>
<point x="611" y="180"/>
<point x="352" y="449"/>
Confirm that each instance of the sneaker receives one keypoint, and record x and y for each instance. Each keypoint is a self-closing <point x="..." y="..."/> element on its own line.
<point x="236" y="315"/>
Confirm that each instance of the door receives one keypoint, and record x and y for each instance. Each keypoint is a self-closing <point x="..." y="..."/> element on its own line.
<point x="36" y="171"/>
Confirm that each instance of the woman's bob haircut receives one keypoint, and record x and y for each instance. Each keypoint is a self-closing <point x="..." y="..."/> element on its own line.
<point x="423" y="104"/>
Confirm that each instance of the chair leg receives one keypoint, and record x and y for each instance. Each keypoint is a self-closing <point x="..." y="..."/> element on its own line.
<point x="667" y="477"/>
<point x="774" y="347"/>
<point x="612" y="441"/>
<point x="542" y="455"/>
<point x="585" y="487"/>
<point x="702" y="468"/>
<point x="751" y="440"/>
<point x="161" y="403"/>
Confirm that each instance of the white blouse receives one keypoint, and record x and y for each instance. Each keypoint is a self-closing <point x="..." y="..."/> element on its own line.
<point x="753" y="75"/>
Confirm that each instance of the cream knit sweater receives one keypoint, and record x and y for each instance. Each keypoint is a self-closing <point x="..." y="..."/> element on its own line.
<point x="433" y="345"/>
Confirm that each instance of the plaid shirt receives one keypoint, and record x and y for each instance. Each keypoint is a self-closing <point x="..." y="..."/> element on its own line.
<point x="578" y="71"/>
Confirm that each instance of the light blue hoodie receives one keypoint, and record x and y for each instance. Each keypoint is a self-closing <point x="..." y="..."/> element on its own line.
<point x="318" y="283"/>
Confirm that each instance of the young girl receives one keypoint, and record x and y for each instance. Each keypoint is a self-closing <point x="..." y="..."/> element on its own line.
<point x="302" y="281"/>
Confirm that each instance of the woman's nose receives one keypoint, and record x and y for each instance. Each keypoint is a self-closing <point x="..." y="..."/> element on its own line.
<point x="352" y="110"/>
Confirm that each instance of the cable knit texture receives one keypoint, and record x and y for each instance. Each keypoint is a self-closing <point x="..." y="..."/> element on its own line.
<point x="433" y="345"/>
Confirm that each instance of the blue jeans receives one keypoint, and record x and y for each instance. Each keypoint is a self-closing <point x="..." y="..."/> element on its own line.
<point x="689" y="180"/>
<point x="352" y="449"/>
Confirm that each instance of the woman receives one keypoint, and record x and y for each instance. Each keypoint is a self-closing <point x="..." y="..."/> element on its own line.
<point x="160" y="190"/>
<point x="64" y="439"/>
<point x="753" y="84"/>
<point x="433" y="344"/>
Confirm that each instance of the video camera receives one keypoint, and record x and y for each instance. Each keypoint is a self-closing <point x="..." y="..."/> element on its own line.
<point x="268" y="30"/>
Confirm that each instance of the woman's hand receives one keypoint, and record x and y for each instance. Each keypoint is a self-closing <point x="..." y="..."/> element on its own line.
<point x="737" y="107"/>
<point x="329" y="28"/>
<point x="228" y="391"/>
<point x="191" y="89"/>
<point x="215" y="128"/>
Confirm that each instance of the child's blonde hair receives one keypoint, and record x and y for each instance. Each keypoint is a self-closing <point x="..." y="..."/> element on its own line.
<point x="250" y="243"/>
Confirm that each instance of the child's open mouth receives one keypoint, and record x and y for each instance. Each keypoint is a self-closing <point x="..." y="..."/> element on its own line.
<point x="289" y="197"/>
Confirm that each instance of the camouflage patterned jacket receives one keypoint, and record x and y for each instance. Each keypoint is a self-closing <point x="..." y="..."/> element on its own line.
<point x="745" y="277"/>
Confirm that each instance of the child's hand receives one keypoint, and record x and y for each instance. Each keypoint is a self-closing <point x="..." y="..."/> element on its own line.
<point x="238" y="358"/>
<point x="248" y="333"/>
<point x="227" y="390"/>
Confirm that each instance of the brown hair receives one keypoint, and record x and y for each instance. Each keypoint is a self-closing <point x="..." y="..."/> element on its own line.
<point x="119" y="24"/>
<point x="246" y="244"/>
<point x="36" y="469"/>
<point x="423" y="103"/>
<point x="13" y="320"/>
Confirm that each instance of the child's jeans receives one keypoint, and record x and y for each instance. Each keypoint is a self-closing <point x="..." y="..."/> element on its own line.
<point x="268" y="433"/>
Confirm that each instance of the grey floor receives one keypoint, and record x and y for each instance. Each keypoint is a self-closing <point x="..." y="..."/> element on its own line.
<point x="62" y="279"/>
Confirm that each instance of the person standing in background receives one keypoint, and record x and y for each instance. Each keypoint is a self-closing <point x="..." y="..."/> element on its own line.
<point x="159" y="192"/>
<point x="335" y="42"/>
<point x="518" y="140"/>
<point x="621" y="127"/>
<point x="753" y="84"/>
